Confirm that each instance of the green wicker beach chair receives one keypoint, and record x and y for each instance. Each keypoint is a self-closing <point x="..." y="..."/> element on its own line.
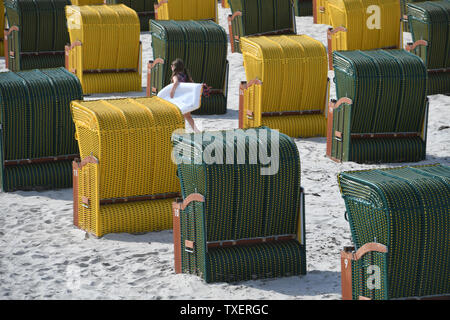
<point x="37" y="135"/>
<point x="144" y="8"/>
<point x="37" y="34"/>
<point x="399" y="220"/>
<point x="303" y="8"/>
<point x="381" y="112"/>
<point x="236" y="222"/>
<point x="202" y="45"/>
<point x="430" y="21"/>
<point x="404" y="11"/>
<point x="259" y="17"/>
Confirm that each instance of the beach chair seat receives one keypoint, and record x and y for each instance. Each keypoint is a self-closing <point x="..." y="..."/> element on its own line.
<point x="355" y="25"/>
<point x="286" y="86"/>
<point x="124" y="180"/>
<point x="430" y="28"/>
<point x="202" y="45"/>
<point x="186" y="10"/>
<point x="381" y="110"/>
<point x="144" y="8"/>
<point x="259" y="17"/>
<point x="37" y="142"/>
<point x="303" y="7"/>
<point x="105" y="50"/>
<point x="36" y="35"/>
<point x="399" y="221"/>
<point x="234" y="221"/>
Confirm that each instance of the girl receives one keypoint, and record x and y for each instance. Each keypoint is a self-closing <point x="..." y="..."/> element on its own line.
<point x="180" y="74"/>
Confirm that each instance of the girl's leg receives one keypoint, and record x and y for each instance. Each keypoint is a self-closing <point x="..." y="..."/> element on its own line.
<point x="189" y="119"/>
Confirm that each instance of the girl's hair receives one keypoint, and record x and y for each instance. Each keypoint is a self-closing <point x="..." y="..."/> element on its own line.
<point x="179" y="68"/>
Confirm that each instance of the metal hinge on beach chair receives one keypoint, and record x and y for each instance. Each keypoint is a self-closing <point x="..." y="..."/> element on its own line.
<point x="320" y="14"/>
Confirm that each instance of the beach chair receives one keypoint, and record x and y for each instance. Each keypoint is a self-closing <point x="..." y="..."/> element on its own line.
<point x="320" y="12"/>
<point x="430" y="28"/>
<point x="287" y="87"/>
<point x="399" y="221"/>
<point x="124" y="180"/>
<point x="404" y="11"/>
<point x="234" y="223"/>
<point x="36" y="35"/>
<point x="186" y="10"/>
<point x="355" y="25"/>
<point x="144" y="8"/>
<point x="37" y="142"/>
<point x="105" y="51"/>
<point x="303" y="8"/>
<point x="381" y="110"/>
<point x="202" y="45"/>
<point x="259" y="17"/>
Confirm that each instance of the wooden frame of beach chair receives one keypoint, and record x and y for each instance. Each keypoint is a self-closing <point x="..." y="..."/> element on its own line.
<point x="236" y="29"/>
<point x="350" y="257"/>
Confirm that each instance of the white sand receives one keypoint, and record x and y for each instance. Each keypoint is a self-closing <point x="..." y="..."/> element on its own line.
<point x="43" y="256"/>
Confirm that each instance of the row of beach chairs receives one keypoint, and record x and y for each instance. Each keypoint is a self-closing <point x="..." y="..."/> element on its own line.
<point x="230" y="222"/>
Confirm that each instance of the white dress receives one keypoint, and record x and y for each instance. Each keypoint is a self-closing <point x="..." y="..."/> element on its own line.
<point x="187" y="96"/>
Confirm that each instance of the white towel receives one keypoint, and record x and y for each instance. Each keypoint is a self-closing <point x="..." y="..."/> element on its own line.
<point x="187" y="96"/>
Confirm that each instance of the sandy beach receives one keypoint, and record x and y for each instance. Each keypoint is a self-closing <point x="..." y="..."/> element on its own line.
<point x="43" y="256"/>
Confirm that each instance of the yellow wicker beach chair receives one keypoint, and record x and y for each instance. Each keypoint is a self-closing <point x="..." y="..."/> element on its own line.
<point x="126" y="180"/>
<point x="320" y="12"/>
<point x="363" y="25"/>
<point x="286" y="86"/>
<point x="186" y="10"/>
<point x="105" y="51"/>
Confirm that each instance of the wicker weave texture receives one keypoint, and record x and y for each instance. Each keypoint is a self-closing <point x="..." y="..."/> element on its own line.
<point x="202" y="45"/>
<point x="144" y="8"/>
<point x="36" y="123"/>
<point x="405" y="209"/>
<point x="236" y="208"/>
<point x="188" y="10"/>
<point x="293" y="70"/>
<point x="356" y="17"/>
<point x="395" y="105"/>
<point x="41" y="31"/>
<point x="109" y="36"/>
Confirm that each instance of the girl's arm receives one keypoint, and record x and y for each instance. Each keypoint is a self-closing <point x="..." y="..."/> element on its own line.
<point x="176" y="83"/>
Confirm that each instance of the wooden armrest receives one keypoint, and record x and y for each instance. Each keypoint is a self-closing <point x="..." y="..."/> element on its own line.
<point x="152" y="64"/>
<point x="182" y="204"/>
<point x="234" y="15"/>
<point x="335" y="104"/>
<point x="411" y="46"/>
<point x="85" y="161"/>
<point x="157" y="5"/>
<point x="369" y="247"/>
<point x="72" y="45"/>
<point x="10" y="30"/>
<point x="336" y="30"/>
